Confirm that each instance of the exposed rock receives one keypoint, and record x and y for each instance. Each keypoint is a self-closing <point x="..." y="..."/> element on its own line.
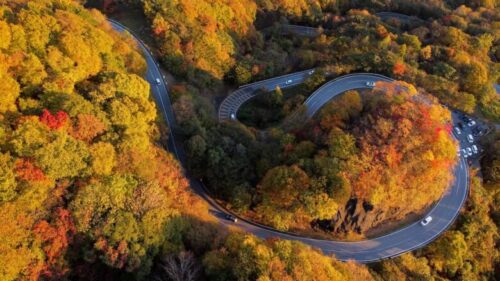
<point x="357" y="216"/>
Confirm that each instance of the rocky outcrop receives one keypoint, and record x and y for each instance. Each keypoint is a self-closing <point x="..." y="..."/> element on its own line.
<point x="357" y="216"/>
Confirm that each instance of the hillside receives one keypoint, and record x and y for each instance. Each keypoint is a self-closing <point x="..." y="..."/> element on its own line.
<point x="77" y="125"/>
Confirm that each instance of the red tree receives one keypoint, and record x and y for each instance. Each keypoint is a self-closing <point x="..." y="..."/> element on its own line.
<point x="87" y="127"/>
<point x="54" y="121"/>
<point x="55" y="237"/>
<point x="26" y="170"/>
<point x="399" y="69"/>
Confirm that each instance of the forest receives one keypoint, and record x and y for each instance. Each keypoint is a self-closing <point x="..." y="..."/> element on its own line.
<point x="89" y="192"/>
<point x="451" y="54"/>
<point x="371" y="151"/>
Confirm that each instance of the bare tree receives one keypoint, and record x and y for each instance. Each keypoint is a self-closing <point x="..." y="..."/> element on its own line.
<point x="181" y="267"/>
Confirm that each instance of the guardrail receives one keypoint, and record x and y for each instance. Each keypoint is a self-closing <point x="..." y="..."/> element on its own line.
<point x="328" y="84"/>
<point x="276" y="78"/>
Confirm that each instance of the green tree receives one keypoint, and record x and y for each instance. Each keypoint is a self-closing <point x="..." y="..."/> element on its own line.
<point x="10" y="92"/>
<point x="63" y="157"/>
<point x="103" y="158"/>
<point x="341" y="145"/>
<point x="448" y="253"/>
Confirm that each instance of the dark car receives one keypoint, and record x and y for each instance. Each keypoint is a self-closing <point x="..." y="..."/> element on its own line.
<point x="231" y="218"/>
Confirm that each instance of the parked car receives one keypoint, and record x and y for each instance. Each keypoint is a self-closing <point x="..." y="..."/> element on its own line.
<point x="474" y="149"/>
<point x="469" y="151"/>
<point x="464" y="153"/>
<point x="370" y="83"/>
<point x="472" y="123"/>
<point x="231" y="218"/>
<point x="470" y="138"/>
<point x="457" y="131"/>
<point x="426" y="221"/>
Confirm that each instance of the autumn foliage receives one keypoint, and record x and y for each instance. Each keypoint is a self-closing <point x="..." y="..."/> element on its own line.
<point x="76" y="102"/>
<point x="54" y="121"/>
<point x="26" y="170"/>
<point x="379" y="149"/>
<point x="399" y="69"/>
<point x="55" y="237"/>
<point x="87" y="127"/>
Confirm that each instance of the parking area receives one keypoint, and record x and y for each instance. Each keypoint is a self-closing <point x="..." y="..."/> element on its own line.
<point x="468" y="131"/>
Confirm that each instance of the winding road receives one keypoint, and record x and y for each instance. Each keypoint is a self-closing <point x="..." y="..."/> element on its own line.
<point x="396" y="243"/>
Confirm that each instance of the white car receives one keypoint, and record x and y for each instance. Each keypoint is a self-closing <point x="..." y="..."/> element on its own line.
<point x="474" y="149"/>
<point x="288" y="82"/>
<point x="158" y="81"/>
<point x="472" y="123"/>
<point x="464" y="153"/>
<point x="458" y="152"/>
<point x="426" y="221"/>
<point x="470" y="138"/>
<point x="457" y="131"/>
<point x="311" y="72"/>
<point x="469" y="151"/>
<point x="233" y="116"/>
<point x="370" y="83"/>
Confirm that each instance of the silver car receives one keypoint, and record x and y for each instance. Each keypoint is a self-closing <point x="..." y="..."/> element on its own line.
<point x="470" y="138"/>
<point x="474" y="149"/>
<point x="464" y="153"/>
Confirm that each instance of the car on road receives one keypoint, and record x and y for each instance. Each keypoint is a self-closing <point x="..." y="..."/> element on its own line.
<point x="469" y="151"/>
<point x="464" y="153"/>
<point x="474" y="149"/>
<point x="158" y="81"/>
<point x="370" y="83"/>
<point x="471" y="123"/>
<point x="311" y="72"/>
<point x="457" y="131"/>
<point x="231" y="218"/>
<point x="288" y="82"/>
<point x="470" y="138"/>
<point x="233" y="116"/>
<point x="426" y="221"/>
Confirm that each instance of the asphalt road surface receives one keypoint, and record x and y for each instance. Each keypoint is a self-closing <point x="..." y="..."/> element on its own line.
<point x="233" y="102"/>
<point x="392" y="15"/>
<point x="396" y="243"/>
<point x="301" y="30"/>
